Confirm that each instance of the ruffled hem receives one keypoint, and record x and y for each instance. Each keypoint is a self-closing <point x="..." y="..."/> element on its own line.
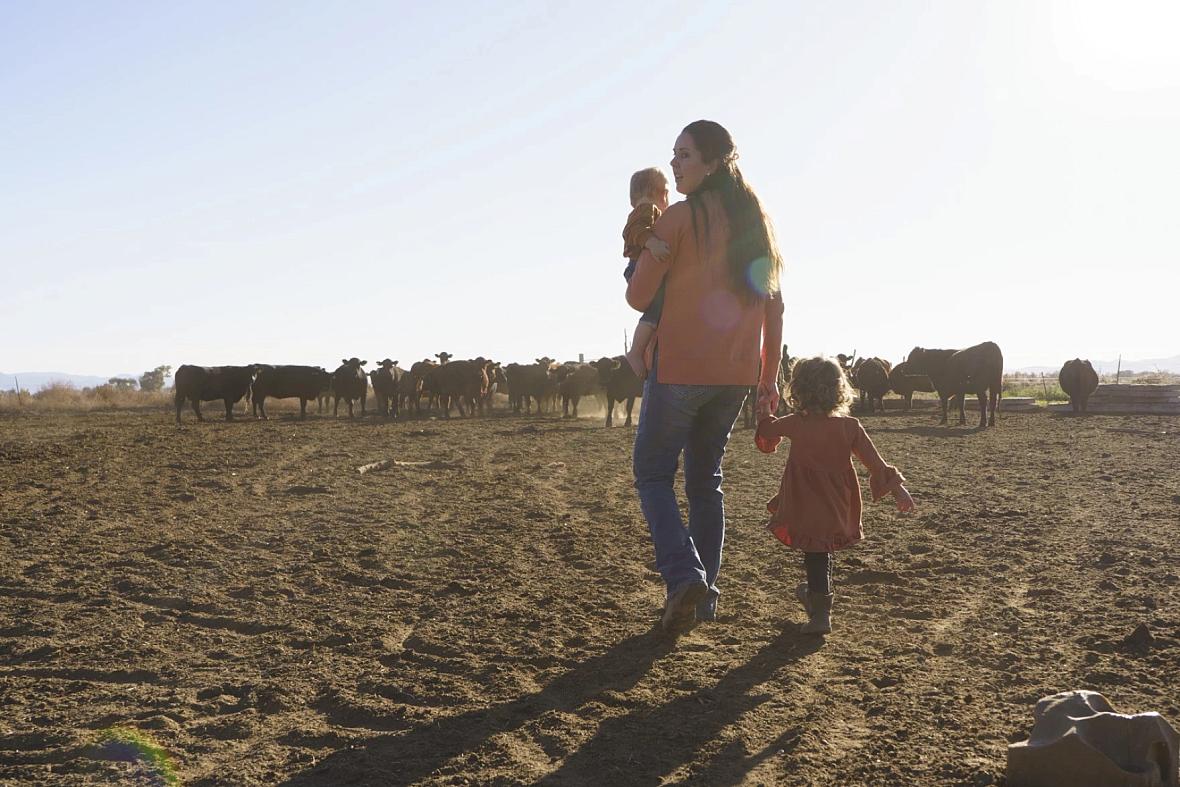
<point x="807" y="543"/>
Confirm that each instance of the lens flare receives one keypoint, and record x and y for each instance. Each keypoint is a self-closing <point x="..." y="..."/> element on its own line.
<point x="124" y="744"/>
<point x="721" y="310"/>
<point x="758" y="275"/>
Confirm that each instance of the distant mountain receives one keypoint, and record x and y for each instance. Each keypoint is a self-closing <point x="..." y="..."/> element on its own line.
<point x="35" y="381"/>
<point x="1171" y="364"/>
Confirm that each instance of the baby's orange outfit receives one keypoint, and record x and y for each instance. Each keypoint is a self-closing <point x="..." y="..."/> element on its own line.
<point x="818" y="505"/>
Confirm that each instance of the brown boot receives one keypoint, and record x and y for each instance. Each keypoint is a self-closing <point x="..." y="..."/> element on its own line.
<point x="819" y="608"/>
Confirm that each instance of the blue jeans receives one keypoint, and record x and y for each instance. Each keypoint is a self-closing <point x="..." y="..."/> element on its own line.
<point x="695" y="419"/>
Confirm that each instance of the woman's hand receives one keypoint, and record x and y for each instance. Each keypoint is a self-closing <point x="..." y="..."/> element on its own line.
<point x="660" y="250"/>
<point x="768" y="398"/>
<point x="905" y="503"/>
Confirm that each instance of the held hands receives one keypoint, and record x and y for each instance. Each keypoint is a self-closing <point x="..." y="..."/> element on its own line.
<point x="660" y="250"/>
<point x="767" y="402"/>
<point x="905" y="503"/>
<point x="765" y="443"/>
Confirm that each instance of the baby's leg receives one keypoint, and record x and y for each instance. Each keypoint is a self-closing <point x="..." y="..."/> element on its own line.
<point x="644" y="332"/>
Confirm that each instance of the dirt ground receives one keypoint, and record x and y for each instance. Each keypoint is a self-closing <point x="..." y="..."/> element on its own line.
<point x="265" y="614"/>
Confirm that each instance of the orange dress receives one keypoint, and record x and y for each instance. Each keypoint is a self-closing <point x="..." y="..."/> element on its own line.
<point x="818" y="505"/>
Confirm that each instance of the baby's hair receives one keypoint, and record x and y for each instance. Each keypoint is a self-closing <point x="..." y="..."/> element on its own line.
<point x="819" y="387"/>
<point x="647" y="183"/>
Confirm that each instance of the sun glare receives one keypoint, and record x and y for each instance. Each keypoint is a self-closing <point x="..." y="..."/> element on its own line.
<point x="1126" y="45"/>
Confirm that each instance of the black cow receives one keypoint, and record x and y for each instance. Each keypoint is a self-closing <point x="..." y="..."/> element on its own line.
<point x="618" y="379"/>
<point x="324" y="397"/>
<point x="385" y="387"/>
<point x="528" y="382"/>
<point x="349" y="383"/>
<point x="206" y="383"/>
<point x="904" y="384"/>
<point x="1078" y="379"/>
<point x="288" y="382"/>
<point x="575" y="380"/>
<point x="870" y="376"/>
<point x="458" y="383"/>
<point x="978" y="370"/>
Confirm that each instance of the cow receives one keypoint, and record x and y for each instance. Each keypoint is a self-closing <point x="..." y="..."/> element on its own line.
<point x="527" y="381"/>
<point x="846" y="363"/>
<point x="497" y="382"/>
<point x="978" y="370"/>
<point x="459" y="383"/>
<point x="206" y="383"/>
<point x="288" y="382"/>
<point x="575" y="380"/>
<point x="1078" y="379"/>
<point x="870" y="376"/>
<point x="349" y="383"/>
<point x="324" y="396"/>
<point x="413" y="385"/>
<point x="618" y="379"/>
<point x="904" y="384"/>
<point x="385" y="379"/>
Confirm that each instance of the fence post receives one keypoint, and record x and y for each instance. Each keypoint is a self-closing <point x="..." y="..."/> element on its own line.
<point x="19" y="403"/>
<point x="1045" y="387"/>
<point x="1119" y="372"/>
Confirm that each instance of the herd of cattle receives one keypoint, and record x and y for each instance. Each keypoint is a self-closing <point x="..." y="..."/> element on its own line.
<point x="466" y="385"/>
<point x="469" y="385"/>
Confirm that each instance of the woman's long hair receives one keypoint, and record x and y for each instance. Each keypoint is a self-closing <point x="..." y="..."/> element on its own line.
<point x="752" y="255"/>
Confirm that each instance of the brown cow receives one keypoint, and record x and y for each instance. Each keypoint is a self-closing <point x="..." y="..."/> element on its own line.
<point x="495" y="382"/>
<point x="1078" y="379"/>
<point x="904" y="384"/>
<point x="618" y="379"/>
<point x="870" y="376"/>
<point x="413" y="385"/>
<point x="978" y="370"/>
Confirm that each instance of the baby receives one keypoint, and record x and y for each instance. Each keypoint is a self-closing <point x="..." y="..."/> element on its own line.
<point x="649" y="198"/>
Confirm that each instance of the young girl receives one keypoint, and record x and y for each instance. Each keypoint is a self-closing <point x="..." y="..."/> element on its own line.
<point x="817" y="508"/>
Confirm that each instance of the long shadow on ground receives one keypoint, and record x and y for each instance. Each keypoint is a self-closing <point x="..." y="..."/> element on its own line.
<point x="648" y="744"/>
<point x="405" y="758"/>
<point x="644" y="743"/>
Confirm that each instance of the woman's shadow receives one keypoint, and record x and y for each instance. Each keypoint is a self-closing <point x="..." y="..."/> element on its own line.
<point x="415" y="754"/>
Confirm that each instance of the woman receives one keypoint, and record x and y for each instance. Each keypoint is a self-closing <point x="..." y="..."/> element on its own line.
<point x="721" y="299"/>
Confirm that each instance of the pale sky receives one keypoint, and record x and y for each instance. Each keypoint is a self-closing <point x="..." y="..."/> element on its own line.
<point x="296" y="182"/>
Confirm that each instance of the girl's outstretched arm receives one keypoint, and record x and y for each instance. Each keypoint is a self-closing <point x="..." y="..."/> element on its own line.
<point x="883" y="478"/>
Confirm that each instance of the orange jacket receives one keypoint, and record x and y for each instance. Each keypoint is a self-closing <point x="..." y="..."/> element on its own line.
<point x="707" y="334"/>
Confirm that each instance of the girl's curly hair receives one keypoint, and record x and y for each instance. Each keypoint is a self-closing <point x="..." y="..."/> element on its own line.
<point x="818" y="386"/>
